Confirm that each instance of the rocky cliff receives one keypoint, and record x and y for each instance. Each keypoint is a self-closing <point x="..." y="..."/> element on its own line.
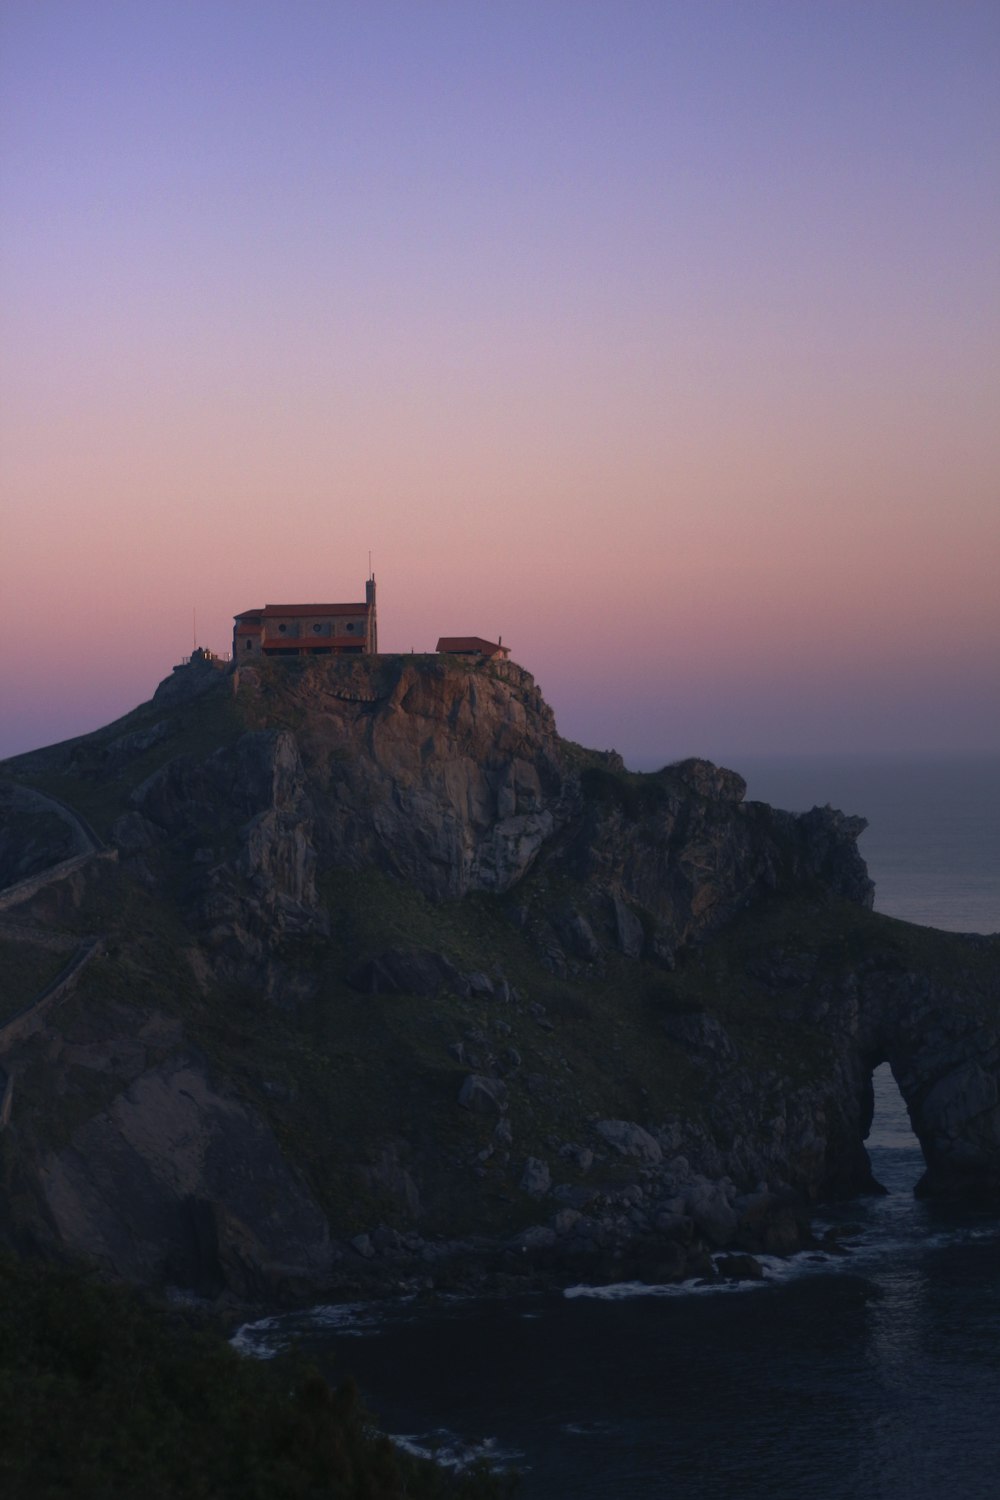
<point x="395" y="980"/>
<point x="453" y="780"/>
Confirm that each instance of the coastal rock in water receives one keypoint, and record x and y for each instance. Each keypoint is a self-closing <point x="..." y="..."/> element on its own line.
<point x="710" y="1208"/>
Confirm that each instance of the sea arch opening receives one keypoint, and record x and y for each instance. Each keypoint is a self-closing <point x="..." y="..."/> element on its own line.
<point x="896" y="1156"/>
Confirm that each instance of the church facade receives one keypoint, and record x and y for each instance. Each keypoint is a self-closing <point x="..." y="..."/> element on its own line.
<point x="308" y="629"/>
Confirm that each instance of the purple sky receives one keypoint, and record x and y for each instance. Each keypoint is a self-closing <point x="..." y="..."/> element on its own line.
<point x="660" y="338"/>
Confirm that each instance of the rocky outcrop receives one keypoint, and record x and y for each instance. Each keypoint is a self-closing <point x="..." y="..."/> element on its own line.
<point x="451" y="779"/>
<point x="927" y="1003"/>
<point x="454" y="780"/>
<point x="942" y="1041"/>
<point x="684" y="850"/>
<point x="404" y="973"/>
<point x="180" y="1183"/>
<point x="444" y="986"/>
<point x="447" y="778"/>
<point x="252" y="794"/>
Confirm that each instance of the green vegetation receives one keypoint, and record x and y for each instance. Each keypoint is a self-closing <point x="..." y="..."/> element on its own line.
<point x="633" y="793"/>
<point x="105" y="1397"/>
<point x="342" y="1076"/>
<point x="344" y="1073"/>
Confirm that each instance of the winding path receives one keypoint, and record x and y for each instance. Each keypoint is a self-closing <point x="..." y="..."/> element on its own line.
<point x="30" y="1016"/>
<point x="89" y="844"/>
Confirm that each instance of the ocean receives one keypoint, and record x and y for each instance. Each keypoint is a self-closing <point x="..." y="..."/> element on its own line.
<point x="870" y="1375"/>
<point x="933" y="840"/>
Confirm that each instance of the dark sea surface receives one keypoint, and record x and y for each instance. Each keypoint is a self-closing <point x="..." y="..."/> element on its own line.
<point x="874" y="1374"/>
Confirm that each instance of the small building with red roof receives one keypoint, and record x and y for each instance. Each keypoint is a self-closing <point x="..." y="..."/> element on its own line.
<point x="473" y="646"/>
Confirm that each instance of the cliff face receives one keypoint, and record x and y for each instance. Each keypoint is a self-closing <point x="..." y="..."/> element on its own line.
<point x="392" y="976"/>
<point x="454" y="780"/>
<point x="445" y="777"/>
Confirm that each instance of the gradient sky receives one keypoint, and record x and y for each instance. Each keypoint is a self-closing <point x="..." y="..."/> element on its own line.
<point x="661" y="338"/>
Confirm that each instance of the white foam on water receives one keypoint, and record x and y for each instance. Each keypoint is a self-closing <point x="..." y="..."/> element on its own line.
<point x="356" y="1319"/>
<point x="876" y="1242"/>
<point x="622" y="1291"/>
<point x="454" y="1452"/>
<point x="266" y="1337"/>
<point x="776" y="1269"/>
<point x="862" y="1254"/>
<point x="257" y="1340"/>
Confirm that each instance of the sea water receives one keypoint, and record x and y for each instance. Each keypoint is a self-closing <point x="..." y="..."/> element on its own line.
<point x="933" y="839"/>
<point x="875" y="1374"/>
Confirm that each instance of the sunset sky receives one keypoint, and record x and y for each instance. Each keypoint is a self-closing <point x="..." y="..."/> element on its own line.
<point x="660" y="338"/>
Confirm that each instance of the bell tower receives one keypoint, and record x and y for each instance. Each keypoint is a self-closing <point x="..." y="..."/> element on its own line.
<point x="371" y="631"/>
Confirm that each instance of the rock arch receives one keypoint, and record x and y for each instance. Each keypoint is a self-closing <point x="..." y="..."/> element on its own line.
<point x="938" y="1028"/>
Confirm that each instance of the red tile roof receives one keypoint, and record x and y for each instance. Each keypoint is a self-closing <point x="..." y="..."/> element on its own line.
<point x="272" y="611"/>
<point x="470" y="644"/>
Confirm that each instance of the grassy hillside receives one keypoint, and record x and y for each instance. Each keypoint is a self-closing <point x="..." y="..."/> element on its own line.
<point x="341" y="1075"/>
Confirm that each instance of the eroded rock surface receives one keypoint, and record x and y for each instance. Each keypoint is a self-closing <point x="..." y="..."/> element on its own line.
<point x="177" y="1183"/>
<point x="443" y="986"/>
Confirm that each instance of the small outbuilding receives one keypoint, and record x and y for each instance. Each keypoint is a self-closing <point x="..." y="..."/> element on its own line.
<point x="473" y="646"/>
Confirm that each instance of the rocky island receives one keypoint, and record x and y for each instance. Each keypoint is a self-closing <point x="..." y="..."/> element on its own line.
<point x="340" y="974"/>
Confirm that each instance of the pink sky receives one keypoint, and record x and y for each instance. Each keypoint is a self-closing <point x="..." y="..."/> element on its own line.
<point x="661" y="339"/>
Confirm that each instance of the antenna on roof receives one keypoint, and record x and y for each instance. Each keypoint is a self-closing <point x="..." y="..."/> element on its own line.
<point x="370" y="574"/>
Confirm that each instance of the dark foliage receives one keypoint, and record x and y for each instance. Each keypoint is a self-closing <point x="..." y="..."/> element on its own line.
<point x="633" y="795"/>
<point x="103" y="1396"/>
